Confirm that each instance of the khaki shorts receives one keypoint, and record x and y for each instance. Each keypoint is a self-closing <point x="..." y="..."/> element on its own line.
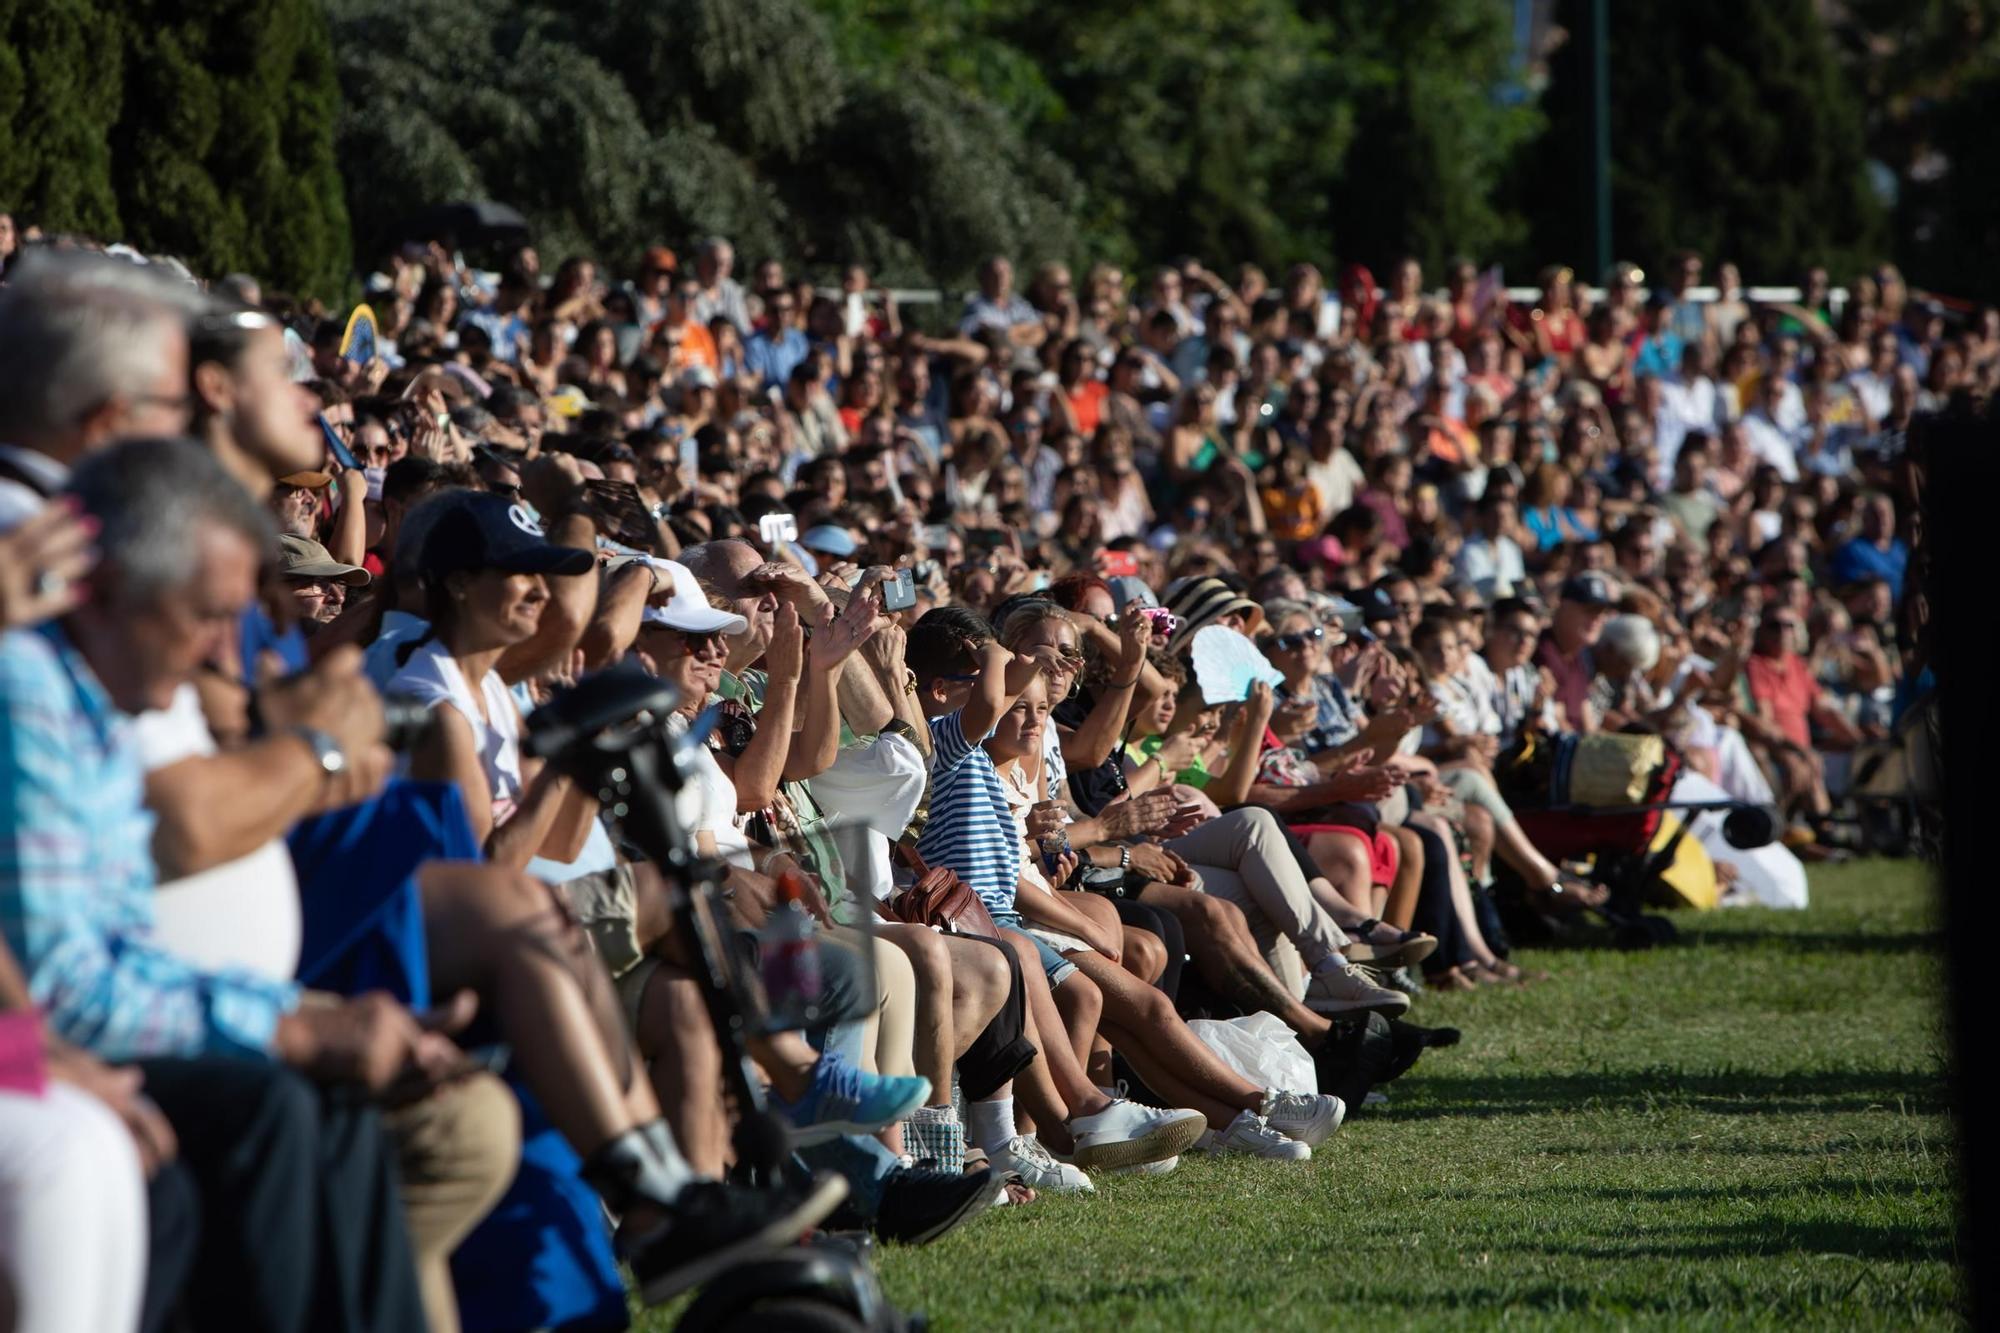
<point x="605" y="904"/>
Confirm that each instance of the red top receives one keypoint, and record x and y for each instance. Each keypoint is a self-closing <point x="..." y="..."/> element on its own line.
<point x="1573" y="676"/>
<point x="1786" y="687"/>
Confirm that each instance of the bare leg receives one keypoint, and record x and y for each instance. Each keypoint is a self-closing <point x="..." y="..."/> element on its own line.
<point x="504" y="936"/>
<point x="1344" y="863"/>
<point x="1144" y="956"/>
<point x="1145" y="1028"/>
<point x="934" y="1037"/>
<point x="1461" y="892"/>
<point x="685" y="1065"/>
<point x="1080" y="1007"/>
<point x="1400" y="908"/>
<point x="979" y="984"/>
<point x="1515" y="849"/>
<point x="1479" y="830"/>
<point x="1225" y="953"/>
<point x="1054" y="1089"/>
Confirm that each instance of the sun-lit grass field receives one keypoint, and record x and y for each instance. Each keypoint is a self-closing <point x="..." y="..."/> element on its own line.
<point x="1747" y="1129"/>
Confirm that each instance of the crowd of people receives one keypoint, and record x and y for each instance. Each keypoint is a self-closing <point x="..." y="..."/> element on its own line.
<point x="1190" y="624"/>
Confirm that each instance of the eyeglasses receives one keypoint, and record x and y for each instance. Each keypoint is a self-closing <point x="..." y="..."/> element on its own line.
<point x="173" y="402"/>
<point x="1291" y="643"/>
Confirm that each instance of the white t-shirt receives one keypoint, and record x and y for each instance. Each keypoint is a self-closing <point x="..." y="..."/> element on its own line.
<point x="879" y="784"/>
<point x="432" y="677"/>
<point x="707" y="803"/>
<point x="243" y="913"/>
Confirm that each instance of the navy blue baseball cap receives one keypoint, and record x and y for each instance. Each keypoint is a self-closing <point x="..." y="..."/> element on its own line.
<point x="480" y="530"/>
<point x="1590" y="589"/>
<point x="1376" y="605"/>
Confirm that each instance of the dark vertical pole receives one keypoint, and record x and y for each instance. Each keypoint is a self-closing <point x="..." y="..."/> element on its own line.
<point x="1599" y="56"/>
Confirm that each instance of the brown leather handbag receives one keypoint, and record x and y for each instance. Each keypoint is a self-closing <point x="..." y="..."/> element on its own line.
<point x="940" y="898"/>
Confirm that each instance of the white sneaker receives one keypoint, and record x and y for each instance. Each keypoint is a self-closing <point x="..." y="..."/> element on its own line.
<point x="1248" y="1134"/>
<point x="1126" y="1134"/>
<point x="1309" y="1117"/>
<point x="1027" y="1158"/>
<point x="1343" y="990"/>
<point x="1159" y="1168"/>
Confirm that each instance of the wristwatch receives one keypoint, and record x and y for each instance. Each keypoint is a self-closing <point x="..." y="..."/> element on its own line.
<point x="326" y="750"/>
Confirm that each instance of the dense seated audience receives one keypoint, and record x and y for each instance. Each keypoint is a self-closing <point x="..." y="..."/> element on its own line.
<point x="1197" y="627"/>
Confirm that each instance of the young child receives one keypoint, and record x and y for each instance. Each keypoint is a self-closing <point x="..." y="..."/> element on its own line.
<point x="966" y="681"/>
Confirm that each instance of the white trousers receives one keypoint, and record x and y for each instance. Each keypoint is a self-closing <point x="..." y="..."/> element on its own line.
<point x="72" y="1214"/>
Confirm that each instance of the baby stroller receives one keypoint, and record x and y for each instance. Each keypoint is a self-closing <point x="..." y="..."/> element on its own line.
<point x="1604" y="797"/>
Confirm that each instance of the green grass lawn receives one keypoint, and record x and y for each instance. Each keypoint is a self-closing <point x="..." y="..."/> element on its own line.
<point x="1748" y="1129"/>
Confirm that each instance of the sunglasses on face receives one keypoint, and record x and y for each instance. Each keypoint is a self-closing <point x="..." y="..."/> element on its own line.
<point x="1291" y="643"/>
<point x="692" y="643"/>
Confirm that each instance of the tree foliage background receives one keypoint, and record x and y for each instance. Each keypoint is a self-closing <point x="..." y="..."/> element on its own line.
<point x="291" y="137"/>
<point x="199" y="128"/>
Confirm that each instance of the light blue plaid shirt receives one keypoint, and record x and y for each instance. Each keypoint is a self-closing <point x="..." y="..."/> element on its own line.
<point x="77" y="875"/>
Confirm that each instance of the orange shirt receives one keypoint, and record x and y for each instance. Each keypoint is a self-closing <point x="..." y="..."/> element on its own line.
<point x="693" y="346"/>
<point x="1294" y="514"/>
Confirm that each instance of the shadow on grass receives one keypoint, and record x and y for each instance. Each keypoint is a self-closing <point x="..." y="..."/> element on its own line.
<point x="1817" y="941"/>
<point x="1794" y="1191"/>
<point x="1432" y="1096"/>
<point x="1767" y="1236"/>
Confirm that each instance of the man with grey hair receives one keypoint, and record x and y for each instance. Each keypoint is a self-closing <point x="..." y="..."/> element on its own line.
<point x="299" y="1207"/>
<point x="716" y="292"/>
<point x="92" y="349"/>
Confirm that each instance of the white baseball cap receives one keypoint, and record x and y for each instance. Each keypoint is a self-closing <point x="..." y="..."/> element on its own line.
<point x="688" y="610"/>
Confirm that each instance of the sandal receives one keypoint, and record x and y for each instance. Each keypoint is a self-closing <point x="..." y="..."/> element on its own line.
<point x="1386" y="946"/>
<point x="1450" y="978"/>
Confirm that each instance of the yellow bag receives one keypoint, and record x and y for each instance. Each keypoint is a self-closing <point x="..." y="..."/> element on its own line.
<point x="1690" y="880"/>
<point x="1612" y="768"/>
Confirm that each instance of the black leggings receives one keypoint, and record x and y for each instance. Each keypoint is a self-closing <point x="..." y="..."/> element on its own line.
<point x="1145" y="916"/>
<point x="1435" y="914"/>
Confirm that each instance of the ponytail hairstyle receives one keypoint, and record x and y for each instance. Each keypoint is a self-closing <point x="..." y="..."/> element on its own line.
<point x="437" y="605"/>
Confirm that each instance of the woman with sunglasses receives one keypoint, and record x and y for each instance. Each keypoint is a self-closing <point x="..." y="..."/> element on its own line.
<point x="1248" y="897"/>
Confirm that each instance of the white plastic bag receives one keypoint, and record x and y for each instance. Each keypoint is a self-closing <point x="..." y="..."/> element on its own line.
<point x="1262" y="1049"/>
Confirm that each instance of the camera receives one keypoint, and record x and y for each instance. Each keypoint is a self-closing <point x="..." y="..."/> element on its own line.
<point x="406" y="720"/>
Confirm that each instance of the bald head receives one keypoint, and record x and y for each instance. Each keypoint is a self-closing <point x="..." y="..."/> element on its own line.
<point x="722" y="563"/>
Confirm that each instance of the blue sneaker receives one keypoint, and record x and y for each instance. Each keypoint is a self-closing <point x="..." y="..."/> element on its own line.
<point x="846" y="1100"/>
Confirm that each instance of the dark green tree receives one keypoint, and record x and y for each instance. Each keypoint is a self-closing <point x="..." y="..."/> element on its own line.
<point x="1433" y="132"/>
<point x="199" y="130"/>
<point x="224" y="153"/>
<point x="1923" y="75"/>
<point x="61" y="71"/>
<point x="1733" y="131"/>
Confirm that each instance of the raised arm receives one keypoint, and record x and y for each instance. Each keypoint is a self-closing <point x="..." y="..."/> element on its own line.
<point x="1232" y="785"/>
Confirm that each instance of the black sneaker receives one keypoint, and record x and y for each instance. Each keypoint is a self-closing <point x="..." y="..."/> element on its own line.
<point x="715" y="1225"/>
<point x="919" y="1206"/>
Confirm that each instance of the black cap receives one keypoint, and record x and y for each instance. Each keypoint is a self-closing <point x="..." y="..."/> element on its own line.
<point x="1376" y="605"/>
<point x="484" y="531"/>
<point x="1591" y="589"/>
